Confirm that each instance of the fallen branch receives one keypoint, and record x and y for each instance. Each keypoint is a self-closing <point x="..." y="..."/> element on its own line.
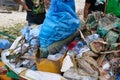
<point x="108" y="52"/>
<point x="103" y="42"/>
<point x="74" y="63"/>
<point x="82" y="36"/>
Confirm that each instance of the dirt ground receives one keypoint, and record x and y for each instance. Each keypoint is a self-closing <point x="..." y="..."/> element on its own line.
<point x="10" y="19"/>
<point x="7" y="20"/>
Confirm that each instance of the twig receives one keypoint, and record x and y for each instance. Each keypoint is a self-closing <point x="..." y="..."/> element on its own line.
<point x="100" y="59"/>
<point x="74" y="63"/>
<point x="29" y="58"/>
<point x="108" y="52"/>
<point x="103" y="42"/>
<point x="106" y="3"/>
<point x="82" y="36"/>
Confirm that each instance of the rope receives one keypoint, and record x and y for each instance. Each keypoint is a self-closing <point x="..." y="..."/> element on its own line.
<point x="9" y="36"/>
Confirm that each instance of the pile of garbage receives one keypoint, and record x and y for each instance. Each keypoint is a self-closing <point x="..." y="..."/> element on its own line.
<point x="96" y="55"/>
<point x="91" y="55"/>
<point x="66" y="47"/>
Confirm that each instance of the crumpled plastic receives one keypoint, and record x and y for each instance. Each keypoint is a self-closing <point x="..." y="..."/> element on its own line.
<point x="112" y="37"/>
<point x="100" y="2"/>
<point x="31" y="35"/>
<point x="106" y="24"/>
<point x="5" y="44"/>
<point x="118" y="77"/>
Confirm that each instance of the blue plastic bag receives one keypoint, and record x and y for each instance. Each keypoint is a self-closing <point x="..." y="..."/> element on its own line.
<point x="70" y="3"/>
<point x="118" y="77"/>
<point x="5" y="44"/>
<point x="61" y="21"/>
<point x="31" y="35"/>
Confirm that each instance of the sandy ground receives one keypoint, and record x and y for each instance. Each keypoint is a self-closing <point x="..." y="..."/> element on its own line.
<point x="15" y="17"/>
<point x="9" y="19"/>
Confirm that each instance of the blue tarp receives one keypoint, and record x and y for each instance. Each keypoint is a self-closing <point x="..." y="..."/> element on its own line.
<point x="61" y="21"/>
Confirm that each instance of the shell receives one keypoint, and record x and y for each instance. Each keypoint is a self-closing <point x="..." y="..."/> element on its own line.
<point x="85" y="66"/>
<point x="91" y="61"/>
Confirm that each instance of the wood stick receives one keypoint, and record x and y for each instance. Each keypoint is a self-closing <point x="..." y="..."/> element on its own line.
<point x="82" y="36"/>
<point x="108" y="52"/>
<point x="105" y="8"/>
<point x="74" y="63"/>
<point x="101" y="59"/>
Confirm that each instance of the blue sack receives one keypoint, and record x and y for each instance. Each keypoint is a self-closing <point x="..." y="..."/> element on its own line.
<point x="71" y="3"/>
<point x="61" y="21"/>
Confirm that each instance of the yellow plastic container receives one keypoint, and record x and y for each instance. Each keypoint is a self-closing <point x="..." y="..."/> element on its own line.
<point x="49" y="65"/>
